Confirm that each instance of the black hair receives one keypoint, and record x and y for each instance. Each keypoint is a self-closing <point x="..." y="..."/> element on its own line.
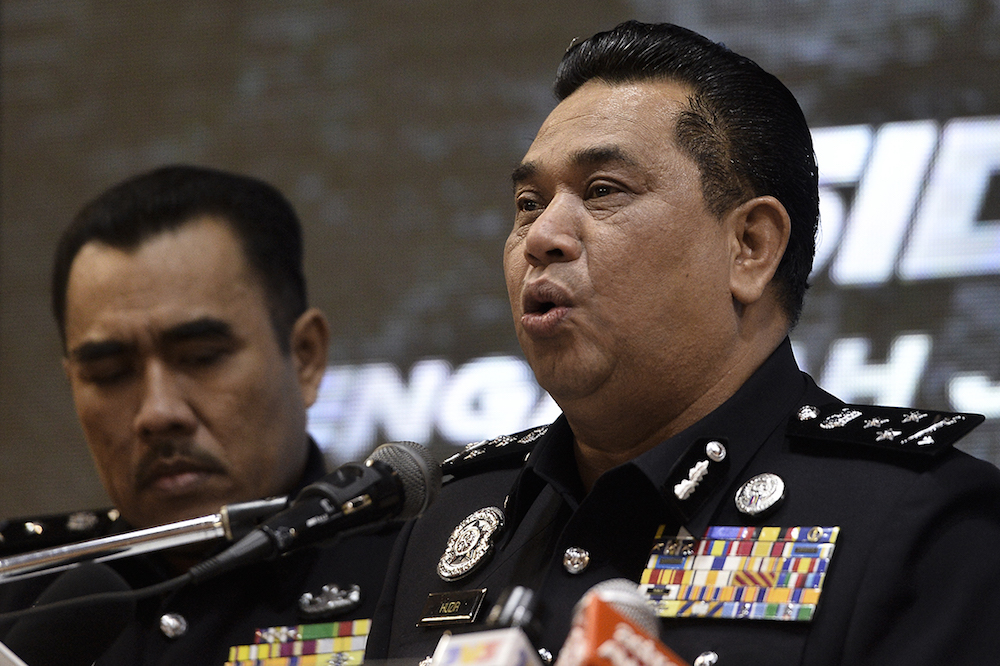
<point x="742" y="127"/>
<point x="135" y="210"/>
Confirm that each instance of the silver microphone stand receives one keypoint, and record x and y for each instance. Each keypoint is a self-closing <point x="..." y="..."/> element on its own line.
<point x="232" y="522"/>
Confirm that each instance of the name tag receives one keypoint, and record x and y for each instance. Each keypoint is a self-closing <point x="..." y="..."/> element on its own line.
<point x="459" y="607"/>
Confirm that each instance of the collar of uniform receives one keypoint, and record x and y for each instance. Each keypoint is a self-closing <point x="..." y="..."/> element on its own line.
<point x="315" y="468"/>
<point x="551" y="462"/>
<point x="743" y="423"/>
<point x="555" y="463"/>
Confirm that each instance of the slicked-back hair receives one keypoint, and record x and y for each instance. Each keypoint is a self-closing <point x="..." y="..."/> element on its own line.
<point x="742" y="127"/>
<point x="144" y="206"/>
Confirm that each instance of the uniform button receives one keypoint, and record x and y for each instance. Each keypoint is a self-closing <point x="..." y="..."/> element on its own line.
<point x="173" y="625"/>
<point x="706" y="659"/>
<point x="808" y="413"/>
<point x="545" y="655"/>
<point x="715" y="451"/>
<point x="576" y="560"/>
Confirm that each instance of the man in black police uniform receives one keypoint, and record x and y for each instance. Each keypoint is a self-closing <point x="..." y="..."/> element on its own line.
<point x="192" y="358"/>
<point x="663" y="234"/>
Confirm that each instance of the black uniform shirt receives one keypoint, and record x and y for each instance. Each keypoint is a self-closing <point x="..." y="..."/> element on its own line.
<point x="914" y="578"/>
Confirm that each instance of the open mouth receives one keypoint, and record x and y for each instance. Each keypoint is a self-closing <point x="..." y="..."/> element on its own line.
<point x="541" y="297"/>
<point x="538" y="307"/>
<point x="544" y="307"/>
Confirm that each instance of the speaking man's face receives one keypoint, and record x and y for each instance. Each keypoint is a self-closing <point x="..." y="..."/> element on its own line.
<point x="618" y="275"/>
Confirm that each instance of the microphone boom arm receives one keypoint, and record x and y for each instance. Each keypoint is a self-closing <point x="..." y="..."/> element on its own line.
<point x="230" y="523"/>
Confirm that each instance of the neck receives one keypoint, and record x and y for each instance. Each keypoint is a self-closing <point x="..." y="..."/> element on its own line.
<point x="611" y="431"/>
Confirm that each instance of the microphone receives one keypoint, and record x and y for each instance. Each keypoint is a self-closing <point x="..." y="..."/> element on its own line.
<point x="613" y="624"/>
<point x="399" y="479"/>
<point x="71" y="636"/>
<point x="623" y="595"/>
<point x="494" y="647"/>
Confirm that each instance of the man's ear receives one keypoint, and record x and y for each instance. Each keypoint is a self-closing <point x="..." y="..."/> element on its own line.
<point x="309" y="343"/>
<point x="761" y="228"/>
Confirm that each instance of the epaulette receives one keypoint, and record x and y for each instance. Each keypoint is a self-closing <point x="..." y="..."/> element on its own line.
<point x="502" y="452"/>
<point x="900" y="430"/>
<point x="21" y="535"/>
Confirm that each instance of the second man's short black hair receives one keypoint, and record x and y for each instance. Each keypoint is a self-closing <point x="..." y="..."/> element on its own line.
<point x="135" y="210"/>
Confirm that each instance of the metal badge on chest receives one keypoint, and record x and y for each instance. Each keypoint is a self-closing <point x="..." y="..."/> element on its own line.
<point x="470" y="544"/>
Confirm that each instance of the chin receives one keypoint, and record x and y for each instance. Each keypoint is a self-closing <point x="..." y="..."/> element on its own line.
<point x="175" y="510"/>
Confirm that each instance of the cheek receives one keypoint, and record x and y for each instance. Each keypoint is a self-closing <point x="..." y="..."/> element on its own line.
<point x="113" y="454"/>
<point x="106" y="421"/>
<point x="655" y="289"/>
<point x="510" y="253"/>
<point x="514" y="268"/>
<point x="259" y="415"/>
<point x="109" y="438"/>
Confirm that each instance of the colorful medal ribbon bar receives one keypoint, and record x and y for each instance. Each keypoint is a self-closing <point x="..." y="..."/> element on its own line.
<point x="741" y="573"/>
<point x="340" y="643"/>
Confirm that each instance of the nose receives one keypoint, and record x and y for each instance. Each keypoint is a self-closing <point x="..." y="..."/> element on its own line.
<point x="554" y="236"/>
<point x="164" y="409"/>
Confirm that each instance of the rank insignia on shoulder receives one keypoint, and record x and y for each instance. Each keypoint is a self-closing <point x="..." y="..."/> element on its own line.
<point x="921" y="432"/>
<point x="505" y="451"/>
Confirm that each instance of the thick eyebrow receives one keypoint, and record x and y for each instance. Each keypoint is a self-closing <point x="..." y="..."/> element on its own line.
<point x="523" y="172"/>
<point x="205" y="327"/>
<point x="587" y="157"/>
<point x="95" y="351"/>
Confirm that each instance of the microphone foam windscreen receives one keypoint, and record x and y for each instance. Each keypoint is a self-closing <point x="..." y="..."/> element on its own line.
<point x="419" y="473"/>
<point x="623" y="595"/>
<point x="73" y="636"/>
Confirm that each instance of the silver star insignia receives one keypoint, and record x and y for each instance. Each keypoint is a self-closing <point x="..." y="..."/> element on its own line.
<point x="875" y="423"/>
<point x="885" y="435"/>
<point x="913" y="417"/>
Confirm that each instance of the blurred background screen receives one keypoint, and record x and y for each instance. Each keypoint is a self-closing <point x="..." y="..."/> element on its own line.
<point x="393" y="126"/>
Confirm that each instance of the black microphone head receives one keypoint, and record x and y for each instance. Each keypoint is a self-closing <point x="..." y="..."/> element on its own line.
<point x="79" y="635"/>
<point x="516" y="607"/>
<point x="623" y="595"/>
<point x="417" y="470"/>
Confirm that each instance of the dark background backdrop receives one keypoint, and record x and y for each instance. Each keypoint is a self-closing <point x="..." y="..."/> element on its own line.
<point x="393" y="125"/>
